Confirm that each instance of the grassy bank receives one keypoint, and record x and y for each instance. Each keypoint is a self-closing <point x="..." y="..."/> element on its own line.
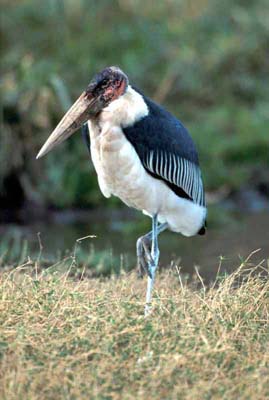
<point x="78" y="339"/>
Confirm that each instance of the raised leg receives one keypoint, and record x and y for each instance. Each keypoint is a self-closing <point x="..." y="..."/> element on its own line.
<point x="143" y="248"/>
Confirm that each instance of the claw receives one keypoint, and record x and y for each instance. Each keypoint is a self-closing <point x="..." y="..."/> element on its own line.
<point x="143" y="267"/>
<point x="149" y="272"/>
<point x="144" y="258"/>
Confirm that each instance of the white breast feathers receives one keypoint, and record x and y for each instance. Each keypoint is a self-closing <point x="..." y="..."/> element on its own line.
<point x="114" y="158"/>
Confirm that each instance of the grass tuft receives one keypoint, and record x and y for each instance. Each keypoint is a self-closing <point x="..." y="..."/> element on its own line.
<point x="62" y="338"/>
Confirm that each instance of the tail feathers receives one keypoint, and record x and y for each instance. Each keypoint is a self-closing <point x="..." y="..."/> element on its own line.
<point x="202" y="231"/>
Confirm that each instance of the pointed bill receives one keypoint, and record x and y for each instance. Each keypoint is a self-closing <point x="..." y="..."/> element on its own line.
<point x="80" y="112"/>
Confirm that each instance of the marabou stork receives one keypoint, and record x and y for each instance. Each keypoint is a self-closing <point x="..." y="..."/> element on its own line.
<point x="143" y="155"/>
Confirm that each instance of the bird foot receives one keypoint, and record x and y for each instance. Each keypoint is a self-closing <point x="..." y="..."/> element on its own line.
<point x="145" y="262"/>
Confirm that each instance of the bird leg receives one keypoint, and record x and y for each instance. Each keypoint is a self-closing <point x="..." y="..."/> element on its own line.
<point x="149" y="259"/>
<point x="152" y="268"/>
<point x="143" y="251"/>
<point x="143" y="248"/>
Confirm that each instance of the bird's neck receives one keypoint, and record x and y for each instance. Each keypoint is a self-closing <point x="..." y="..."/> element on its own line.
<point x="125" y="111"/>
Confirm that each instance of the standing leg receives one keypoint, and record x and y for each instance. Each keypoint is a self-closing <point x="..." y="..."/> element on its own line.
<point x="152" y="266"/>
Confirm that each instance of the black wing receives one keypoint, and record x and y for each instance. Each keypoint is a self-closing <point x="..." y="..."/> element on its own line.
<point x="167" y="152"/>
<point x="86" y="136"/>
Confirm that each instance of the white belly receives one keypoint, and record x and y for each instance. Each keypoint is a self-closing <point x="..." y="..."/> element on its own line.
<point x="120" y="173"/>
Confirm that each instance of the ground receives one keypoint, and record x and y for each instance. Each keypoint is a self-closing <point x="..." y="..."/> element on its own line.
<point x="64" y="338"/>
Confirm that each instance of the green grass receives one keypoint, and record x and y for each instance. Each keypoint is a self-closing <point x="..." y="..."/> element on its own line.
<point x="62" y="338"/>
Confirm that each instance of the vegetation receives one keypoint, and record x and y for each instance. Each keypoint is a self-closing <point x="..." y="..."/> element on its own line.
<point x="63" y="338"/>
<point x="206" y="61"/>
<point x="63" y="335"/>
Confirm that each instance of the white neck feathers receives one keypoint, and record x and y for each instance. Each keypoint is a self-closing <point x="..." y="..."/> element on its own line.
<point x="126" y="110"/>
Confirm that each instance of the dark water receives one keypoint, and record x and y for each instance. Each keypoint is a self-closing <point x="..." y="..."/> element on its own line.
<point x="235" y="238"/>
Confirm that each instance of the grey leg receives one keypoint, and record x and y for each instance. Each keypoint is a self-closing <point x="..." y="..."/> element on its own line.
<point x="143" y="249"/>
<point x="155" y="257"/>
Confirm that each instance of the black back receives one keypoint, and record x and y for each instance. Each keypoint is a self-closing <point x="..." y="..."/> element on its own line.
<point x="161" y="130"/>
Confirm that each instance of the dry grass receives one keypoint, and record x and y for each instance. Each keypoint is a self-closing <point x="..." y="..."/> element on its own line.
<point x="88" y="339"/>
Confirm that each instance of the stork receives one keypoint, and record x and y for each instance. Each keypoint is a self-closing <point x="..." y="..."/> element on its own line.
<point x="143" y="155"/>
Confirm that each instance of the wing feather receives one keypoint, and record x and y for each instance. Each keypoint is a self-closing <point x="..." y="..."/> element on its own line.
<point x="177" y="171"/>
<point x="167" y="151"/>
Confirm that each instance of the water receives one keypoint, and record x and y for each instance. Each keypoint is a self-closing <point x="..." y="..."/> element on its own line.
<point x="238" y="236"/>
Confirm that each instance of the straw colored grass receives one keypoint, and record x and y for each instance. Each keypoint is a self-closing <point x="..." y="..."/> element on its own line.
<point x="62" y="338"/>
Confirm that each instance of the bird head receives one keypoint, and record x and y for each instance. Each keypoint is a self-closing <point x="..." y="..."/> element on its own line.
<point x="105" y="87"/>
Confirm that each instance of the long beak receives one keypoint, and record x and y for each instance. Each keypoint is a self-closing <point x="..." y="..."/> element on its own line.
<point x="80" y="112"/>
